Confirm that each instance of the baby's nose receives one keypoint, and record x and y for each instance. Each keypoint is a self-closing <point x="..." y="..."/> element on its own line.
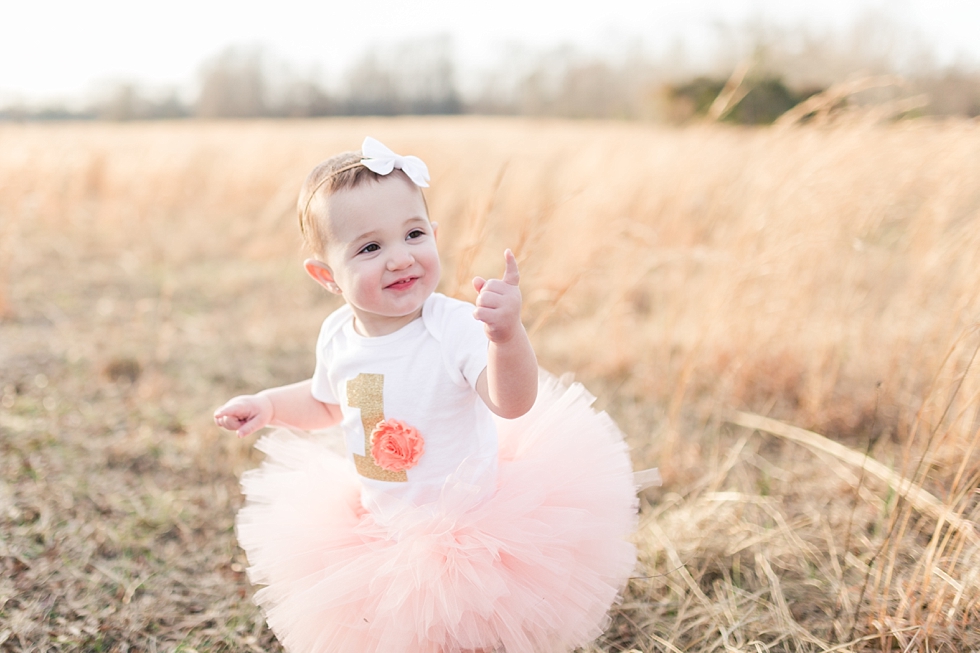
<point x="400" y="258"/>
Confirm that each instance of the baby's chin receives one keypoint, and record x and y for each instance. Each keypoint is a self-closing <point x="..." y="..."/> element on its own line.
<point x="386" y="320"/>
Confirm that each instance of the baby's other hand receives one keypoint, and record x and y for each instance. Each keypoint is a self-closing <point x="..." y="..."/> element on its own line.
<point x="245" y="414"/>
<point x="498" y="302"/>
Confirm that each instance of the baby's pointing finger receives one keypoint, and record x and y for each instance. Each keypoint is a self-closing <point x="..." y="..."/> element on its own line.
<point x="511" y="275"/>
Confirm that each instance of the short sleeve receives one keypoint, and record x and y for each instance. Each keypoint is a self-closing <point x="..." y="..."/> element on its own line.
<point x="321" y="388"/>
<point x="462" y="339"/>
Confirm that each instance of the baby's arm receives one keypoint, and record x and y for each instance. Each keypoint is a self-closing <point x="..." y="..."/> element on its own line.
<point x="289" y="405"/>
<point x="509" y="385"/>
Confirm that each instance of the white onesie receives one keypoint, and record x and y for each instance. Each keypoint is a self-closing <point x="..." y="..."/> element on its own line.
<point x="424" y="375"/>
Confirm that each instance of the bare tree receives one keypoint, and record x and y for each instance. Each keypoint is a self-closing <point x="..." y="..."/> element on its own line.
<point x="128" y="100"/>
<point x="233" y="84"/>
<point x="416" y="77"/>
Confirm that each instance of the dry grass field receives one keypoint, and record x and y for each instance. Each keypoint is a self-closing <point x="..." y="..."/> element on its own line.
<point x="786" y="321"/>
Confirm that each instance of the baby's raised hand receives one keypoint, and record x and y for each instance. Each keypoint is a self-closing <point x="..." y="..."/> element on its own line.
<point x="245" y="414"/>
<point x="498" y="302"/>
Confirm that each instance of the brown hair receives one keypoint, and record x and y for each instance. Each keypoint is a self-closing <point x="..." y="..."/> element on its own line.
<point x="340" y="172"/>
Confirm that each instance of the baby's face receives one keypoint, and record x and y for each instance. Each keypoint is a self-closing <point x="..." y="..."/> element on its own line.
<point x="382" y="252"/>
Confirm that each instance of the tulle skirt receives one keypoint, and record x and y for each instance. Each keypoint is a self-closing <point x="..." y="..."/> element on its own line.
<point x="532" y="568"/>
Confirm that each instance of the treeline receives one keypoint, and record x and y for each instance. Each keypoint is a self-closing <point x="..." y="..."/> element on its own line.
<point x="763" y="80"/>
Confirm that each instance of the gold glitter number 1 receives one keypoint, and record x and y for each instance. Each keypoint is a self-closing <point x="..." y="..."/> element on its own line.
<point x="366" y="391"/>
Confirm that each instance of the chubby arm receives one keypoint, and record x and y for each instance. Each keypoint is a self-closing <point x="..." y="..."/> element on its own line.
<point x="289" y="405"/>
<point x="509" y="385"/>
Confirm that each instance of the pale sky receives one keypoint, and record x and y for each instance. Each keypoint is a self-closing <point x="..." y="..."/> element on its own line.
<point x="63" y="49"/>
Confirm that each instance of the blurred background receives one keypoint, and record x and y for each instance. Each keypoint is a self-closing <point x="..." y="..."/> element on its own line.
<point x="631" y="59"/>
<point x="752" y="229"/>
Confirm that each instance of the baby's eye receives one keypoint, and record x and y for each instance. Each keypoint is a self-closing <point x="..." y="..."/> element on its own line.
<point x="367" y="249"/>
<point x="416" y="233"/>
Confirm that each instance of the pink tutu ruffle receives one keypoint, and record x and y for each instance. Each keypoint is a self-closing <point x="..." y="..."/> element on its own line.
<point x="532" y="568"/>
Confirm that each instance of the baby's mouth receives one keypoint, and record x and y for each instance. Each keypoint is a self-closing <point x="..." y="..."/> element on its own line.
<point x="403" y="283"/>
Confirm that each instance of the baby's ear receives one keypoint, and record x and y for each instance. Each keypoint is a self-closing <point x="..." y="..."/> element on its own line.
<point x="435" y="231"/>
<point x="320" y="272"/>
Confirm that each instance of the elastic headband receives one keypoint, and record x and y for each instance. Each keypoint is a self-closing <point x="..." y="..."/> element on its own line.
<point x="377" y="158"/>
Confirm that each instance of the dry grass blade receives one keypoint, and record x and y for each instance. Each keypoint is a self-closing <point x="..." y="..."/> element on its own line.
<point x="667" y="645"/>
<point x="823" y="103"/>
<point x="731" y="94"/>
<point x="782" y="608"/>
<point x="479" y="224"/>
<point x="678" y="565"/>
<point x="917" y="496"/>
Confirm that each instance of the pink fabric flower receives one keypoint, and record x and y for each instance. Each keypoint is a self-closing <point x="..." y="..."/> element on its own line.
<point x="395" y="445"/>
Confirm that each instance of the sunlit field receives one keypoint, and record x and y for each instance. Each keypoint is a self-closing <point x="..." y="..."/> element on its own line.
<point x="785" y="320"/>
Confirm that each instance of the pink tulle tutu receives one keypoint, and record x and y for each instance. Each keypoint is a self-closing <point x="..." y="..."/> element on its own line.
<point x="532" y="568"/>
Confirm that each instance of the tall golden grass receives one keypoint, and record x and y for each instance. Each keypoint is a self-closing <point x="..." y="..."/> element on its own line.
<point x="784" y="320"/>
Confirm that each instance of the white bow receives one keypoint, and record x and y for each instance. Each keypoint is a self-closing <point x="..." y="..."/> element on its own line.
<point x="381" y="160"/>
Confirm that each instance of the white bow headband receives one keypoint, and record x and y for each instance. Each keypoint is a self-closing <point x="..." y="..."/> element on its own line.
<point x="379" y="159"/>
